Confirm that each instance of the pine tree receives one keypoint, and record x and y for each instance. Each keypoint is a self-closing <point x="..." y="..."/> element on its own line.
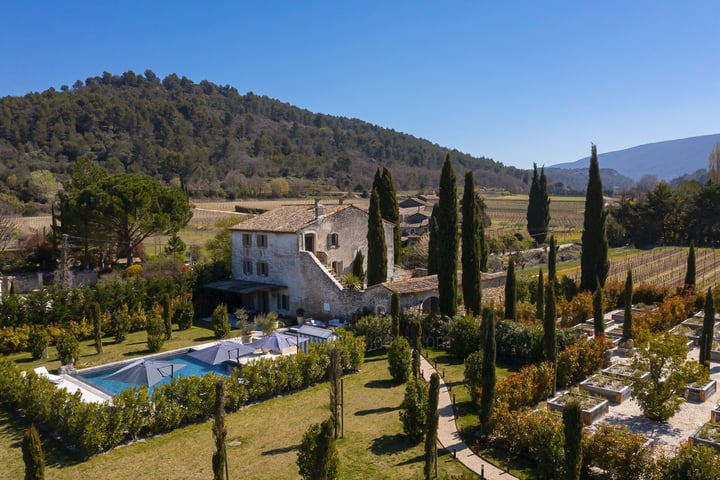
<point x="358" y="266"/>
<point x="594" y="263"/>
<point x="434" y="241"/>
<point x="433" y="418"/>
<point x="510" y="295"/>
<point x="33" y="455"/>
<point x="395" y="313"/>
<point x="471" y="224"/>
<point x="598" y="320"/>
<point x="690" y="271"/>
<point x="448" y="235"/>
<point x="390" y="210"/>
<point x="706" y="338"/>
<point x="487" y="397"/>
<point x="538" y="212"/>
<point x="627" y="299"/>
<point x="573" y="428"/>
<point x="377" y="251"/>
<point x="540" y="300"/>
<point x="219" y="458"/>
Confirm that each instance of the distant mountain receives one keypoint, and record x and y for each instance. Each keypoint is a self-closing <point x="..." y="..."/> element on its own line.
<point x="573" y="181"/>
<point x="666" y="160"/>
<point x="212" y="140"/>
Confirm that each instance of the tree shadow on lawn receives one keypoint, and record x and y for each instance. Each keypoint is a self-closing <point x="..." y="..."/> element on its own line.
<point x="280" y="451"/>
<point x="206" y="338"/>
<point x="372" y="411"/>
<point x="386" y="383"/>
<point x="415" y="459"/>
<point x="391" y="444"/>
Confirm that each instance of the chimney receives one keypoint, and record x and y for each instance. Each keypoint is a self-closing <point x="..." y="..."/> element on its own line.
<point x="317" y="208"/>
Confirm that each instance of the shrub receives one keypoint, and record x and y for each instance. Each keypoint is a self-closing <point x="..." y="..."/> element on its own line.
<point x="694" y="463"/>
<point x="14" y="339"/>
<point x="617" y="450"/>
<point x="577" y="310"/>
<point x="400" y="360"/>
<point x="580" y="360"/>
<point x="219" y="321"/>
<point x="38" y="342"/>
<point x="134" y="270"/>
<point x="155" y="329"/>
<point x="527" y="387"/>
<point x="68" y="348"/>
<point x="121" y="323"/>
<point x="414" y="410"/>
<point x="183" y="313"/>
<point x="375" y="329"/>
<point x="464" y="335"/>
<point x="473" y="374"/>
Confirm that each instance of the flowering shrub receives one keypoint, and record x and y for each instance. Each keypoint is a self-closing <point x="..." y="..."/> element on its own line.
<point x="134" y="270"/>
<point x="525" y="388"/>
<point x="617" y="450"/>
<point x="670" y="312"/>
<point x="580" y="360"/>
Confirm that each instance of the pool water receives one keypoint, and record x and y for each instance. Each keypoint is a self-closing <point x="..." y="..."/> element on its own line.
<point x="99" y="380"/>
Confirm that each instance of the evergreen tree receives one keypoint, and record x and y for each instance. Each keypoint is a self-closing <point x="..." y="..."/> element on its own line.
<point x="317" y="455"/>
<point x="168" y="315"/>
<point x="334" y="375"/>
<point x="487" y="397"/>
<point x="431" y="435"/>
<point x="358" y="270"/>
<point x="219" y="321"/>
<point x="540" y="300"/>
<point x="395" y="313"/>
<point x="219" y="458"/>
<point x="706" y="338"/>
<point x="538" y="212"/>
<point x="414" y="409"/>
<point x="573" y="429"/>
<point x="434" y="242"/>
<point x="598" y="320"/>
<point x="175" y="246"/>
<point x="377" y="250"/>
<point x="627" y="299"/>
<point x="448" y="235"/>
<point x="550" y="326"/>
<point x="552" y="260"/>
<point x="690" y="271"/>
<point x="390" y="210"/>
<point x="97" y="327"/>
<point x="594" y="263"/>
<point x="471" y="225"/>
<point x="33" y="455"/>
<point x="399" y="360"/>
<point x="155" y="328"/>
<point x="510" y="295"/>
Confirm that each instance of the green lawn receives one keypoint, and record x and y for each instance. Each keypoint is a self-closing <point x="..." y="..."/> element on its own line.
<point x="262" y="440"/>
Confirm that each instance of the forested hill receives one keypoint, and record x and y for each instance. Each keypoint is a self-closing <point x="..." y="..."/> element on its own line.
<point x="215" y="141"/>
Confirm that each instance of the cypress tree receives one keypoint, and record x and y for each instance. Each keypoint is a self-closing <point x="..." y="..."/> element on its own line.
<point x="433" y="418"/>
<point x="708" y="329"/>
<point x="390" y="210"/>
<point x="627" y="300"/>
<point x="594" y="263"/>
<point x="433" y="242"/>
<point x="538" y="212"/>
<point x="448" y="235"/>
<point x="334" y="375"/>
<point x="168" y="315"/>
<point x="598" y="321"/>
<point x="219" y="458"/>
<point x="395" y="313"/>
<point x="510" y="295"/>
<point x="33" y="455"/>
<point x="690" y="271"/>
<point x="358" y="266"/>
<point x="552" y="260"/>
<point x="97" y="327"/>
<point x="573" y="428"/>
<point x="377" y="252"/>
<point x="471" y="224"/>
<point x="540" y="300"/>
<point x="487" y="397"/>
<point x="550" y="326"/>
<point x="326" y="457"/>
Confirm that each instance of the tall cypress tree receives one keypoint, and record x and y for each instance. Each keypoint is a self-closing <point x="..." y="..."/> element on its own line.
<point x="377" y="251"/>
<point x="433" y="419"/>
<point x="549" y="330"/>
<point x="510" y="295"/>
<point x="33" y="455"/>
<point x="708" y="329"/>
<point x="573" y="429"/>
<point x="448" y="235"/>
<point x="598" y="321"/>
<point x="471" y="224"/>
<point x="487" y="397"/>
<point x="358" y="268"/>
<point x="538" y="212"/>
<point x="97" y="327"/>
<point x="690" y="271"/>
<point x="594" y="263"/>
<point x="552" y="260"/>
<point x="627" y="300"/>
<point x="395" y="313"/>
<point x="434" y="241"/>
<point x="390" y="210"/>
<point x="219" y="458"/>
<point x="540" y="300"/>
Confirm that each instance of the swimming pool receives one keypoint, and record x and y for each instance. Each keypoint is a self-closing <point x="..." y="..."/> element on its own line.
<point x="98" y="377"/>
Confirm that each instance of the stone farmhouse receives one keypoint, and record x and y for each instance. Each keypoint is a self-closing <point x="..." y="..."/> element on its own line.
<point x="415" y="213"/>
<point x="294" y="257"/>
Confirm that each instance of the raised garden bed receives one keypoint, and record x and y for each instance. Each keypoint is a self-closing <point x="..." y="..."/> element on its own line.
<point x="715" y="414"/>
<point x="619" y="315"/>
<point x="592" y="407"/>
<point x="613" y="387"/>
<point x="606" y="322"/>
<point x="700" y="393"/>
<point x="624" y="370"/>
<point x="708" y="435"/>
<point x="693" y="333"/>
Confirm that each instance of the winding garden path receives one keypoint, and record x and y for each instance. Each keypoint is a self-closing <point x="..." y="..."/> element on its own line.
<point x="449" y="436"/>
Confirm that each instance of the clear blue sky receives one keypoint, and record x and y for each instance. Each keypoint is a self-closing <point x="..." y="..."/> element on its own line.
<point x="517" y="81"/>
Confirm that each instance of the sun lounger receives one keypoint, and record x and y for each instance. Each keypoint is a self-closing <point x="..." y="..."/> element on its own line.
<point x="43" y="372"/>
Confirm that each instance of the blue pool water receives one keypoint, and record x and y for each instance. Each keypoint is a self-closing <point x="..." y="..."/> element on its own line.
<point x="99" y="380"/>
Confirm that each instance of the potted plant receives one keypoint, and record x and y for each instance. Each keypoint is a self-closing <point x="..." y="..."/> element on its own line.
<point x="246" y="328"/>
<point x="300" y="312"/>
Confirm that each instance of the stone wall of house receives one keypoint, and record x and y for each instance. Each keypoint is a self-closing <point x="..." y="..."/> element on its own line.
<point x="26" y="282"/>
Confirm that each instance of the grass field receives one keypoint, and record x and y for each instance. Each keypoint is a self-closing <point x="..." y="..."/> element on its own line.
<point x="262" y="438"/>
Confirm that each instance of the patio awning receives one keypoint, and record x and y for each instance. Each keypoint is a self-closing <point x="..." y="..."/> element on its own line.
<point x="243" y="286"/>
